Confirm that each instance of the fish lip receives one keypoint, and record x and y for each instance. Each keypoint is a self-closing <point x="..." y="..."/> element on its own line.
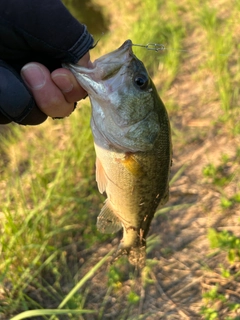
<point x="123" y="54"/>
<point x="126" y="45"/>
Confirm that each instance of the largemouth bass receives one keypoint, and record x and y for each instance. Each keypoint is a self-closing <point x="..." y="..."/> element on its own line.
<point x="132" y="141"/>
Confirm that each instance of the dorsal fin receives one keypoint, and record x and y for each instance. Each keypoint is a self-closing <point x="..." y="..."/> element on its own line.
<point x="107" y="221"/>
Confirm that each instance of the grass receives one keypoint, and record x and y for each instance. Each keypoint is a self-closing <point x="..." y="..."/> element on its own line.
<point x="217" y="294"/>
<point x="45" y="206"/>
<point x="159" y="29"/>
<point x="53" y="261"/>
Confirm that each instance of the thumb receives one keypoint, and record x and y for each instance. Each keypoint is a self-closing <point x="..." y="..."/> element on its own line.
<point x="48" y="96"/>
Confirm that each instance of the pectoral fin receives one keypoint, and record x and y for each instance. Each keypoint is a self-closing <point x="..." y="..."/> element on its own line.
<point x="107" y="221"/>
<point x="100" y="176"/>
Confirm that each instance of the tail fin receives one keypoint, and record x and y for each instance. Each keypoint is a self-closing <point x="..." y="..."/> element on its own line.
<point x="136" y="255"/>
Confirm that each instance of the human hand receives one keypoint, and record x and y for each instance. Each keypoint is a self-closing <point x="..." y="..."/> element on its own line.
<point x="55" y="93"/>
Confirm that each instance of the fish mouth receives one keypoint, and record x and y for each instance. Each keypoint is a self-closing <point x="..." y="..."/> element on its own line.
<point x="103" y="69"/>
<point x="126" y="44"/>
<point x="117" y="57"/>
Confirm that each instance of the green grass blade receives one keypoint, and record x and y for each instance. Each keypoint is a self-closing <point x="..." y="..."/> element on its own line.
<point x="169" y="208"/>
<point x="45" y="312"/>
<point x="178" y="174"/>
<point x="84" y="279"/>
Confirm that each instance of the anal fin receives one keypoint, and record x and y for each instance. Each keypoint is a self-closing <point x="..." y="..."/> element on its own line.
<point x="107" y="221"/>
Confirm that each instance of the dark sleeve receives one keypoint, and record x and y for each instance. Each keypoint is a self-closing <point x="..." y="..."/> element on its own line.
<point x="42" y="31"/>
<point x="37" y="28"/>
<point x="16" y="101"/>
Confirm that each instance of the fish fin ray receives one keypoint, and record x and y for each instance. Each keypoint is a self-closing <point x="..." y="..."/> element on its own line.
<point x="107" y="221"/>
<point x="101" y="177"/>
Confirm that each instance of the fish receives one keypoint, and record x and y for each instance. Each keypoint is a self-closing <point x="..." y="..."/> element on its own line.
<point x="132" y="139"/>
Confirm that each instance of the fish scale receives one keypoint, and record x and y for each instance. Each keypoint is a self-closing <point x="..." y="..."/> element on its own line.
<point x="132" y="141"/>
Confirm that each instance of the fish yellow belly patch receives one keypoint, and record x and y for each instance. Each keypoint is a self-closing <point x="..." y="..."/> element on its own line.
<point x="132" y="165"/>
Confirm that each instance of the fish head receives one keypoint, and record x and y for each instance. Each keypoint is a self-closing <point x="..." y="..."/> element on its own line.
<point x="123" y="99"/>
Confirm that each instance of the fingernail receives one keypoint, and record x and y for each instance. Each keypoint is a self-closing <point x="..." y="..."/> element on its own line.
<point x="33" y="75"/>
<point x="63" y="82"/>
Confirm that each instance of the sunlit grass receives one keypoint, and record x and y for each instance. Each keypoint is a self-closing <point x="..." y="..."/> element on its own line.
<point x="158" y="23"/>
<point x="220" y="48"/>
<point x="49" y="199"/>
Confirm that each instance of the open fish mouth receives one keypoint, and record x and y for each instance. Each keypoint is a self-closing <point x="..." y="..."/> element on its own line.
<point x="103" y="69"/>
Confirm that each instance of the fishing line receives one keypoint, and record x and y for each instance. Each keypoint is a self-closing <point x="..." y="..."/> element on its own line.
<point x="159" y="47"/>
<point x="154" y="47"/>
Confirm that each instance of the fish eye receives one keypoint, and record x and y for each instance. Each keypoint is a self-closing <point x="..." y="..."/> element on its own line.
<point x="141" y="81"/>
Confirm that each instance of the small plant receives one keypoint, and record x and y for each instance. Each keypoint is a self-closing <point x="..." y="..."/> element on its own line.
<point x="215" y="296"/>
<point x="209" y="313"/>
<point x="226" y="203"/>
<point x="230" y="202"/>
<point x="211" y="298"/>
<point x="115" y="277"/>
<point x="133" y="297"/>
<point x="212" y="301"/>
<point x="220" y="175"/>
<point x="226" y="241"/>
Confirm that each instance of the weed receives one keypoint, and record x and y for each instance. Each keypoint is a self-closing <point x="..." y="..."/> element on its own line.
<point x="223" y="175"/>
<point x="214" y="295"/>
<point x="223" y="241"/>
<point x="115" y="277"/>
<point x="226" y="241"/>
<point x="26" y="255"/>
<point x="133" y="298"/>
<point x="220" y="175"/>
<point x="209" y="313"/>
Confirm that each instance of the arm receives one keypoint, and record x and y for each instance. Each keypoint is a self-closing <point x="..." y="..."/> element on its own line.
<point x="44" y="32"/>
